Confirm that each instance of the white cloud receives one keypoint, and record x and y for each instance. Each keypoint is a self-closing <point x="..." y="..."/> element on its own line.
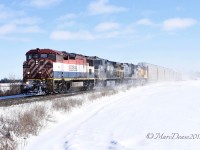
<point x="67" y="17"/>
<point x="103" y="7"/>
<point x="106" y="26"/>
<point x="68" y="35"/>
<point x="84" y="35"/>
<point x="106" y="33"/>
<point x="16" y="23"/>
<point x="65" y="24"/>
<point x="12" y="28"/>
<point x="145" y="21"/>
<point x="41" y="3"/>
<point x="66" y="20"/>
<point x="30" y="29"/>
<point x="119" y="33"/>
<point x="18" y="39"/>
<point x="26" y="20"/>
<point x="178" y="23"/>
<point x="7" y="29"/>
<point x="6" y="13"/>
<point x="147" y="13"/>
<point x="112" y="34"/>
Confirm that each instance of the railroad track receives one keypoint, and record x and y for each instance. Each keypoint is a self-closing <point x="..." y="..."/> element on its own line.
<point x="29" y="99"/>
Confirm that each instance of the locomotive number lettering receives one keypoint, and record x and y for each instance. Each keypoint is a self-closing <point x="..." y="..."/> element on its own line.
<point x="72" y="68"/>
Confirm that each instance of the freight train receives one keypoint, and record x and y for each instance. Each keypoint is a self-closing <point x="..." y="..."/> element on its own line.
<point x="48" y="71"/>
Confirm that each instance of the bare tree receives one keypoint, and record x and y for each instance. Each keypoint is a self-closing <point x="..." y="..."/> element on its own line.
<point x="13" y="86"/>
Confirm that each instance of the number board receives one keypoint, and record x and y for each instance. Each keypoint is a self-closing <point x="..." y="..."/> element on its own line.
<point x="72" y="68"/>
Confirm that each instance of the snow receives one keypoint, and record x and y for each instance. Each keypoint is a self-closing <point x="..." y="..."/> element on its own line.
<point x="4" y="86"/>
<point x="166" y="113"/>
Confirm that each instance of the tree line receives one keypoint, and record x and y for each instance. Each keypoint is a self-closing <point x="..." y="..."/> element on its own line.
<point x="6" y="80"/>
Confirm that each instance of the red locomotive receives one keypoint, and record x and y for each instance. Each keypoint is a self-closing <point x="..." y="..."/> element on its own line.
<point x="51" y="71"/>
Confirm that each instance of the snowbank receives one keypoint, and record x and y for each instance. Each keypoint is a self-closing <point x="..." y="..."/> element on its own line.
<point x="161" y="116"/>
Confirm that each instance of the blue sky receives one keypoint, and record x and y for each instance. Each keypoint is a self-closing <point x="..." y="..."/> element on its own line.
<point x="163" y="32"/>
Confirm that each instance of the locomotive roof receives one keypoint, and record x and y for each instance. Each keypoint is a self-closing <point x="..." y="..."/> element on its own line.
<point x="50" y="51"/>
<point x="37" y="50"/>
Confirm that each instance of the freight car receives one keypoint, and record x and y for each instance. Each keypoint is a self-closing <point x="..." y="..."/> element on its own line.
<point x="155" y="73"/>
<point x="49" y="71"/>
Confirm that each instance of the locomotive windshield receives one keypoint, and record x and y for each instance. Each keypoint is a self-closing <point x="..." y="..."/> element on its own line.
<point x="43" y="55"/>
<point x="32" y="56"/>
<point x="29" y="56"/>
<point x="35" y="56"/>
<point x="97" y="63"/>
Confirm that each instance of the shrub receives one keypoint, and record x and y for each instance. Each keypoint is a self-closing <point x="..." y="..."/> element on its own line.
<point x="6" y="140"/>
<point x="66" y="104"/>
<point x="25" y="123"/>
<point x="103" y="93"/>
<point x="13" y="90"/>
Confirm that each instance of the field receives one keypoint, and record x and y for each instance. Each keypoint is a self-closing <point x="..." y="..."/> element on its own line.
<point x="157" y="116"/>
<point x="4" y="86"/>
<point x="160" y="116"/>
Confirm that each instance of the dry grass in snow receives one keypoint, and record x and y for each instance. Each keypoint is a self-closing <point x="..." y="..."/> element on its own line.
<point x="20" y="122"/>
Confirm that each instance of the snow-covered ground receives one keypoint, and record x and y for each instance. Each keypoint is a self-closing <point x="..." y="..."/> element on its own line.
<point x="4" y="86"/>
<point x="158" y="116"/>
